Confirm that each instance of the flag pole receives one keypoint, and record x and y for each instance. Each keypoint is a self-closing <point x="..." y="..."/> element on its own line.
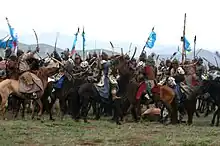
<point x="183" y="39"/>
<point x="194" y="47"/>
<point x="146" y="42"/>
<point x="83" y="35"/>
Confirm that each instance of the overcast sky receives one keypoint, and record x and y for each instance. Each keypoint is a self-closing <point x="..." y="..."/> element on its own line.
<point x="125" y="20"/>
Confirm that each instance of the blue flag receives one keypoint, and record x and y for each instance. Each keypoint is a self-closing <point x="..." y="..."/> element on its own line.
<point x="151" y="40"/>
<point x="8" y="43"/>
<point x="187" y="45"/>
<point x="84" y="42"/>
<point x="74" y="42"/>
<point x="13" y="36"/>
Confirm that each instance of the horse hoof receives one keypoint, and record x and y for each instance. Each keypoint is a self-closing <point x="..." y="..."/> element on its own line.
<point x="97" y="118"/>
<point x="118" y="123"/>
<point x="77" y="120"/>
<point x="211" y="124"/>
<point x="85" y="121"/>
<point x="51" y="119"/>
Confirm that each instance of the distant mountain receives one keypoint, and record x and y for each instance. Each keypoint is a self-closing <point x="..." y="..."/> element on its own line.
<point x="46" y="41"/>
<point x="45" y="48"/>
<point x="65" y="41"/>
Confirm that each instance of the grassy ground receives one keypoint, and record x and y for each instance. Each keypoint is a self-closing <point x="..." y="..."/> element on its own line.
<point x="103" y="132"/>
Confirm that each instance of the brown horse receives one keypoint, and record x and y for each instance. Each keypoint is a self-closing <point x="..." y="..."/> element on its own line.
<point x="133" y="89"/>
<point x="10" y="86"/>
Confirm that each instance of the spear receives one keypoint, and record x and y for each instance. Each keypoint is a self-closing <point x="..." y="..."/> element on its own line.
<point x="129" y="49"/>
<point x="112" y="48"/>
<point x="146" y="42"/>
<point x="216" y="61"/>
<point x="36" y="37"/>
<point x="55" y="46"/>
<point x="194" y="47"/>
<point x="135" y="49"/>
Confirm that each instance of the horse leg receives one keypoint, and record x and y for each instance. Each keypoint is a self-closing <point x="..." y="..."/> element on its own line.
<point x="41" y="107"/>
<point x="174" y="112"/>
<point x="138" y="109"/>
<point x="190" y="106"/>
<point x="62" y="107"/>
<point x="218" y="116"/>
<point x="85" y="108"/>
<point x="51" y="109"/>
<point x="213" y="119"/>
<point x="32" y="109"/>
<point x="3" y="107"/>
<point x="17" y="108"/>
<point x="93" y="105"/>
<point x="75" y="106"/>
<point x="134" y="112"/>
<point x="98" y="111"/>
<point x="23" y="109"/>
<point x="117" y="110"/>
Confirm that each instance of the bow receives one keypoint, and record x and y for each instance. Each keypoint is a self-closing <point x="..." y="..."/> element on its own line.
<point x="36" y="39"/>
<point x="135" y="49"/>
<point x="112" y="48"/>
<point x="37" y="49"/>
<point x="55" y="46"/>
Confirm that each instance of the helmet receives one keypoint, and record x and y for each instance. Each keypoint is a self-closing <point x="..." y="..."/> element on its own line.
<point x="103" y="61"/>
<point x="153" y="54"/>
<point x="180" y="71"/>
<point x="77" y="56"/>
<point x="175" y="61"/>
<point x="141" y="64"/>
<point x="200" y="60"/>
<point x="171" y="81"/>
<point x="84" y="64"/>
<point x="143" y="57"/>
<point x="94" y="54"/>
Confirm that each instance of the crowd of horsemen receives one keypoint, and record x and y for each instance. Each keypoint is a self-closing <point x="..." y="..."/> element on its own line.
<point x="112" y="85"/>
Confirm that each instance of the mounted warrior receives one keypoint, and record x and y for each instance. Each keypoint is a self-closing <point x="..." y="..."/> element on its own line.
<point x="108" y="81"/>
<point x="29" y="82"/>
<point x="148" y="70"/>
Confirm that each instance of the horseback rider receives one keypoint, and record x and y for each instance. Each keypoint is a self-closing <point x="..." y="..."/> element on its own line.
<point x="200" y="69"/>
<point x="23" y="57"/>
<point x="28" y="79"/>
<point x="68" y="65"/>
<point x="148" y="71"/>
<point x="178" y="74"/>
<point x="168" y="67"/>
<point x="77" y="62"/>
<point x="107" y="81"/>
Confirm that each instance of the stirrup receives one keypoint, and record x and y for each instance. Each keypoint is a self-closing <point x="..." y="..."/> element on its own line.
<point x="34" y="95"/>
<point x="147" y="96"/>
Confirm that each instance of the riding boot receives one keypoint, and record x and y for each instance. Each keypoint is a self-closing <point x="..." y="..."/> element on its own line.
<point x="117" y="110"/>
<point x="149" y="88"/>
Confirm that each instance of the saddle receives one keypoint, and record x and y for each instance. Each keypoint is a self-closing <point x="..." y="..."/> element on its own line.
<point x="29" y="83"/>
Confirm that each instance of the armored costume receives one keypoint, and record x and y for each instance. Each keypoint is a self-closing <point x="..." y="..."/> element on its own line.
<point x="28" y="82"/>
<point x="178" y="74"/>
<point x="108" y="81"/>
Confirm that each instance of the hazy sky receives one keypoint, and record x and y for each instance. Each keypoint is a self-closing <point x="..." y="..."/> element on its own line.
<point x="125" y="20"/>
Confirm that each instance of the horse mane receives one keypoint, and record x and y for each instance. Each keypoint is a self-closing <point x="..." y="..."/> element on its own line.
<point x="40" y="72"/>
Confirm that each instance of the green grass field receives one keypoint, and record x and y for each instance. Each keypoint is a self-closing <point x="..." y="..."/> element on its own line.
<point x="103" y="132"/>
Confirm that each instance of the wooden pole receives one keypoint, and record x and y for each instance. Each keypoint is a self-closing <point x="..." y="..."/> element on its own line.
<point x="194" y="47"/>
<point x="184" y="31"/>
